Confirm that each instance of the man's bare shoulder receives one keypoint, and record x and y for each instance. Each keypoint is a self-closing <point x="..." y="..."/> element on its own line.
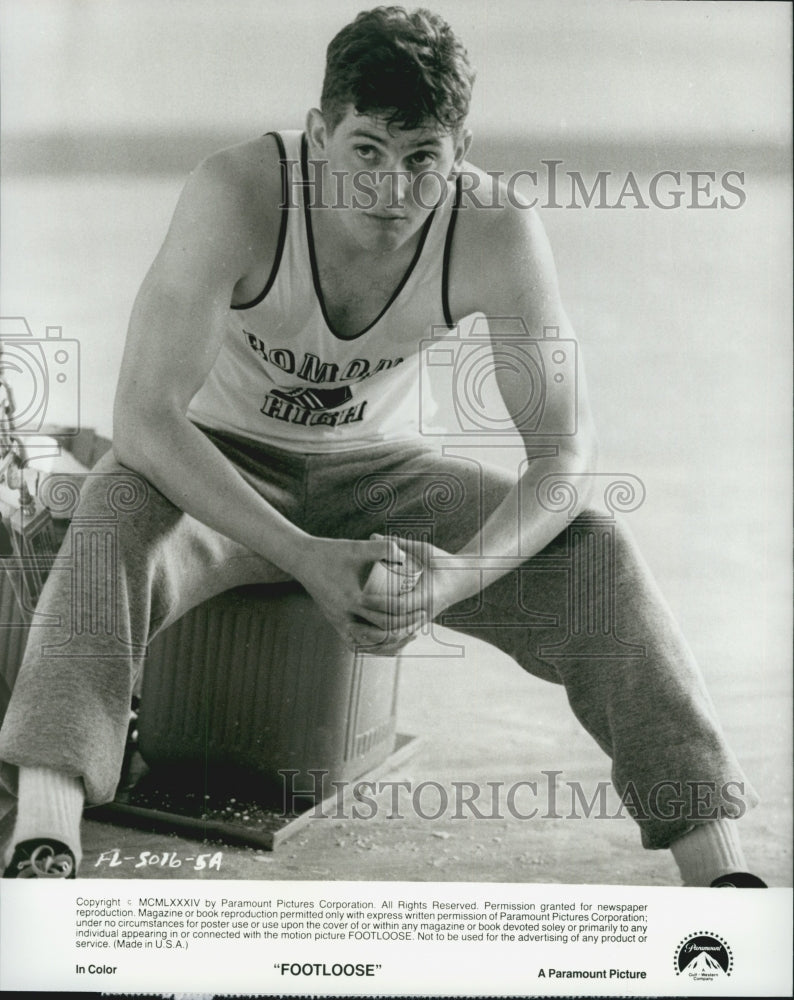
<point x="494" y="218"/>
<point x="225" y="227"/>
<point x="246" y="177"/>
<point x="501" y="256"/>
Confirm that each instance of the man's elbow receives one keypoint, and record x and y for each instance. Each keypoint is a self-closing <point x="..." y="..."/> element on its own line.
<point x="584" y="465"/>
<point x="577" y="454"/>
<point x="130" y="457"/>
<point x="136" y="433"/>
<point x="576" y="463"/>
<point x="587" y="451"/>
<point x="130" y="450"/>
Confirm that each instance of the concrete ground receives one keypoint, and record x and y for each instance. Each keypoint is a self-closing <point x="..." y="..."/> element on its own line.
<point x="482" y="720"/>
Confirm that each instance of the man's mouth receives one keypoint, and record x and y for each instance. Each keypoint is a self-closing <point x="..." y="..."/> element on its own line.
<point x="385" y="217"/>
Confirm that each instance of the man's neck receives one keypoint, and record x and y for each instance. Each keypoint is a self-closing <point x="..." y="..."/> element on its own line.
<point x="334" y="245"/>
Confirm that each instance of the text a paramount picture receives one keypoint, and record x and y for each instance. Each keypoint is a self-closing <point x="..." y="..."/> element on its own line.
<point x="395" y="473"/>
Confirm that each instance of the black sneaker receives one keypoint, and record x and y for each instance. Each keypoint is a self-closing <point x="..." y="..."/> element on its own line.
<point x="738" y="880"/>
<point x="41" y="859"/>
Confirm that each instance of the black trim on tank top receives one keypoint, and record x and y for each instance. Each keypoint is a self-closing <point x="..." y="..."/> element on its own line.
<point x="453" y="218"/>
<point x="313" y="258"/>
<point x="282" y="233"/>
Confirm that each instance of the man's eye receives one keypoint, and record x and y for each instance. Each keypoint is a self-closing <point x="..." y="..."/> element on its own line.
<point x="366" y="152"/>
<point x="423" y="159"/>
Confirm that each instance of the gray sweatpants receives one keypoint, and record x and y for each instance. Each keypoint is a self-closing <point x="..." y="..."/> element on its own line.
<point x="584" y="613"/>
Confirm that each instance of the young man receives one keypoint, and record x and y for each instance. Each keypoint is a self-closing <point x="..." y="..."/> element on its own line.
<point x="272" y="371"/>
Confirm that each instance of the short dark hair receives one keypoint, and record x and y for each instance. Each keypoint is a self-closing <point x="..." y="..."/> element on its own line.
<point x="409" y="68"/>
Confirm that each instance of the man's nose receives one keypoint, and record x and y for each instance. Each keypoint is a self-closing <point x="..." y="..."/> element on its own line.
<point x="393" y="187"/>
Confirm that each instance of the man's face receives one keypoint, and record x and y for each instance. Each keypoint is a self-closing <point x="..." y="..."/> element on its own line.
<point x="383" y="184"/>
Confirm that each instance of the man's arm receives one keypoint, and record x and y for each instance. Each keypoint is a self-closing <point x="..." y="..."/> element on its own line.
<point x="223" y="231"/>
<point x="520" y="282"/>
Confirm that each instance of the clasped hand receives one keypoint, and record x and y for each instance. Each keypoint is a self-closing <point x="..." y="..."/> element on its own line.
<point x="335" y="573"/>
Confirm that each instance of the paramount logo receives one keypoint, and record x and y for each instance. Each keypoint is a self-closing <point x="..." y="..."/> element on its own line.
<point x="704" y="958"/>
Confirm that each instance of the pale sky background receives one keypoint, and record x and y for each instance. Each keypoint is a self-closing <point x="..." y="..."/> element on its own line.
<point x="697" y="70"/>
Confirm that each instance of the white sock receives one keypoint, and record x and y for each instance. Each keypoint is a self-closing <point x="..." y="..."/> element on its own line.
<point x="50" y="807"/>
<point x="710" y="850"/>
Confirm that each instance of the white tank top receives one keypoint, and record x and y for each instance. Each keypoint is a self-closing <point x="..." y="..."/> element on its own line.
<point x="284" y="377"/>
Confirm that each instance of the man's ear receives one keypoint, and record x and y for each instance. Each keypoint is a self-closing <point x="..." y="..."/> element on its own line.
<point x="462" y="146"/>
<point x="316" y="130"/>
